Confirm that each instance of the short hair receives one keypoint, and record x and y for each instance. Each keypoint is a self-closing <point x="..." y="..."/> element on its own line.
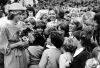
<point x="83" y="36"/>
<point x="69" y="48"/>
<point x="39" y="40"/>
<point x="65" y="28"/>
<point x="61" y="14"/>
<point x="77" y="23"/>
<point x="25" y="32"/>
<point x="53" y="10"/>
<point x="80" y="34"/>
<point x="49" y="30"/>
<point x="40" y="24"/>
<point x="57" y="39"/>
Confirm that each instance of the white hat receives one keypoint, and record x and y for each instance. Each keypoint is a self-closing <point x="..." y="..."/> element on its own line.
<point x="16" y="6"/>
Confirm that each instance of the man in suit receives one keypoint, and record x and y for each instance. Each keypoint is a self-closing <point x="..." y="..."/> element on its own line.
<point x="81" y="54"/>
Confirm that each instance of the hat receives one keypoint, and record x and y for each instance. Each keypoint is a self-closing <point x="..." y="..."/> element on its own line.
<point x="16" y="6"/>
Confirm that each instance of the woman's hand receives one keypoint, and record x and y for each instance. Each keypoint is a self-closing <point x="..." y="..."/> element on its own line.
<point x="19" y="44"/>
<point x="23" y="44"/>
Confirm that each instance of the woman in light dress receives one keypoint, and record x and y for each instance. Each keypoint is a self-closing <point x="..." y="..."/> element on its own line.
<point x="10" y="44"/>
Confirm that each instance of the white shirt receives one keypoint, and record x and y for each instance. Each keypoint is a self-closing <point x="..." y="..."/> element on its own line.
<point x="50" y="46"/>
<point x="78" y="51"/>
<point x="70" y="35"/>
<point x="65" y="60"/>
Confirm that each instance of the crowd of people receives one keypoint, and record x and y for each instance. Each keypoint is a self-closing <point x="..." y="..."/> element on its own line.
<point x="63" y="34"/>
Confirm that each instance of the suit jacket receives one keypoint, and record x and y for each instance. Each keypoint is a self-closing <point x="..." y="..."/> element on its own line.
<point x="80" y="60"/>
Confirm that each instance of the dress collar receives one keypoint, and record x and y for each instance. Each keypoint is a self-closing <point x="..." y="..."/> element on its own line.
<point x="78" y="51"/>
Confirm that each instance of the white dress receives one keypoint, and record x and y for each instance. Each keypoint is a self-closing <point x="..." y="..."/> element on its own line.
<point x="65" y="60"/>
<point x="13" y="57"/>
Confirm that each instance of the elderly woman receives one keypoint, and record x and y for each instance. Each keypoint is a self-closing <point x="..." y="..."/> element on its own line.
<point x="10" y="44"/>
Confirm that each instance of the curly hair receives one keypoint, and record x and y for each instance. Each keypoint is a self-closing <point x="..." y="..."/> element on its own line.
<point x="77" y="23"/>
<point x="57" y="39"/>
<point x="69" y="48"/>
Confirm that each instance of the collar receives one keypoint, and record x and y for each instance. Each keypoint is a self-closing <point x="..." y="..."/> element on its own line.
<point x="50" y="46"/>
<point x="78" y="51"/>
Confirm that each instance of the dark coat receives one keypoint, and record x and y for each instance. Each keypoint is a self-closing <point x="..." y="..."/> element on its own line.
<point x="80" y="60"/>
<point x="1" y="60"/>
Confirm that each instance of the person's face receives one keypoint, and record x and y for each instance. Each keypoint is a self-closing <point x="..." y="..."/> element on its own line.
<point x="17" y="18"/>
<point x="98" y="57"/>
<point x="17" y="15"/>
<point x="75" y="42"/>
<point x="23" y="16"/>
<point x="95" y="24"/>
<point x="45" y="17"/>
<point x="39" y="30"/>
<point x="31" y="37"/>
<point x="52" y="18"/>
<point x="48" y="40"/>
<point x="31" y="20"/>
<point x="30" y="13"/>
<point x="67" y="17"/>
<point x="74" y="15"/>
<point x="64" y="8"/>
<point x="52" y="15"/>
<point x="72" y="27"/>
